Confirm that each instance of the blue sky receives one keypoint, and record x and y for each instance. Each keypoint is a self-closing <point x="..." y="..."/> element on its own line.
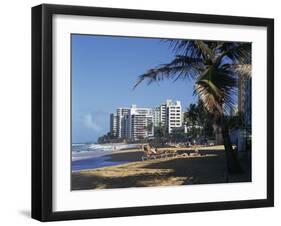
<point x="104" y="70"/>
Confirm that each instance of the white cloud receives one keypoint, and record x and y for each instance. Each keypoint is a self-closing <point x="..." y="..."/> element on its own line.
<point x="89" y="122"/>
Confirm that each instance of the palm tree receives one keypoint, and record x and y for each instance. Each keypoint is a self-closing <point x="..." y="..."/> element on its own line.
<point x="196" y="115"/>
<point x="215" y="67"/>
<point x="191" y="115"/>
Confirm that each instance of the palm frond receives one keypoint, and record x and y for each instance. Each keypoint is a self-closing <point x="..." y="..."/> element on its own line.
<point x="238" y="52"/>
<point x="181" y="67"/>
<point x="216" y="88"/>
<point x="192" y="48"/>
<point x="208" y="54"/>
<point x="244" y="70"/>
<point x="208" y="97"/>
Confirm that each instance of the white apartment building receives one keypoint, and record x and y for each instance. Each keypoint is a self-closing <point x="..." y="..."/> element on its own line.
<point x="134" y="123"/>
<point x="174" y="115"/>
<point x="157" y="117"/>
<point x="163" y="114"/>
<point x="113" y="125"/>
<point x="139" y="123"/>
<point x="122" y="114"/>
<point x="171" y="115"/>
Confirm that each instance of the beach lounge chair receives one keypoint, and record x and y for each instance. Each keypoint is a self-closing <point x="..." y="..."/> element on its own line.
<point x="150" y="153"/>
<point x="171" y="153"/>
<point x="196" y="151"/>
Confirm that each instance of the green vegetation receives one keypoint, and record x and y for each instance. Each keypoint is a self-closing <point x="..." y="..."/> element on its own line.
<point x="199" y="122"/>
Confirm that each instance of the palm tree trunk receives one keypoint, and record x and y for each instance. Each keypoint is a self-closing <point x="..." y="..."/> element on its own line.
<point x="233" y="165"/>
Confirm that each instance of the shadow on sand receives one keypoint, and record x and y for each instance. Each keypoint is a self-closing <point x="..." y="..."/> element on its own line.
<point x="206" y="169"/>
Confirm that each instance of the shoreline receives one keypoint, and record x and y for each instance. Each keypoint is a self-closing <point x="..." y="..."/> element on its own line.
<point x="101" y="160"/>
<point x="118" y="157"/>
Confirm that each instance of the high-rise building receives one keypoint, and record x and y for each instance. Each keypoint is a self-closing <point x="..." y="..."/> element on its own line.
<point x="134" y="123"/>
<point x="113" y="125"/>
<point x="137" y="123"/>
<point x="174" y="115"/>
<point x="157" y="117"/>
<point x="140" y="123"/>
<point x="163" y="114"/>
<point x="122" y="114"/>
<point x="171" y="115"/>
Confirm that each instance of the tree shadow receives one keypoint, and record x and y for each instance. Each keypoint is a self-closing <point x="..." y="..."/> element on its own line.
<point x="97" y="181"/>
<point x="126" y="156"/>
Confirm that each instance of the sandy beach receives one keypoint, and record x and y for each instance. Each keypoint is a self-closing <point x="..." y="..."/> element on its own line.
<point x="204" y="168"/>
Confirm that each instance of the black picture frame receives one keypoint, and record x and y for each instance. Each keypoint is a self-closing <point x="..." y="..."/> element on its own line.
<point x="42" y="111"/>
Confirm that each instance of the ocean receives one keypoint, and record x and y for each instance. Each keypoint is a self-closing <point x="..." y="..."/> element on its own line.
<point x="93" y="156"/>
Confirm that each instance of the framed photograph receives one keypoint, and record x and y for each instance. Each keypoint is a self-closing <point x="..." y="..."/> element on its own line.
<point x="145" y="112"/>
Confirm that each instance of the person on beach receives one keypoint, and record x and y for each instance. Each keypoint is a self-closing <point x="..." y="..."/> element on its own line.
<point x="149" y="151"/>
